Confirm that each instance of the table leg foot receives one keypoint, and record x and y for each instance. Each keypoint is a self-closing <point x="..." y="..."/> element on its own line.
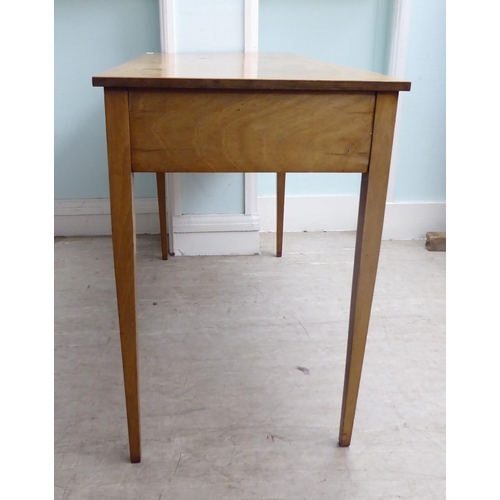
<point x="344" y="441"/>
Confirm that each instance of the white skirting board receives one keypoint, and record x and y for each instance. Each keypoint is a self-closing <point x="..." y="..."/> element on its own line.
<point x="216" y="234"/>
<point x="193" y="234"/>
<point x="239" y="234"/>
<point x="403" y="221"/>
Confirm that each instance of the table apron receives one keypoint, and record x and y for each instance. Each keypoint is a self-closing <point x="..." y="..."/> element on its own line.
<point x="250" y="131"/>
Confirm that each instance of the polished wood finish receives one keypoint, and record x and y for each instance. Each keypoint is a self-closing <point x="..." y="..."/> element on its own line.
<point x="368" y="238"/>
<point x="123" y="229"/>
<point x="280" y="211"/>
<point x="162" y="210"/>
<point x="242" y="131"/>
<point x="196" y="113"/>
<point x="250" y="71"/>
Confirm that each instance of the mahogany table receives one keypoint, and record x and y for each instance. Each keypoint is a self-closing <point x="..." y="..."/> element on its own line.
<point x="254" y="112"/>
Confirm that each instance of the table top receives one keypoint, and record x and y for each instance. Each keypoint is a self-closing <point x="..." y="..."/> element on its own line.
<point x="240" y="70"/>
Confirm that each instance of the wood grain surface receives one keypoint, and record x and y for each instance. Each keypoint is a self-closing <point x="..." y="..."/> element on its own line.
<point x="237" y="70"/>
<point x="242" y="131"/>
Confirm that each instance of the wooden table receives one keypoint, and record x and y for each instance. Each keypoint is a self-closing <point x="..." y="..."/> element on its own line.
<point x="235" y="112"/>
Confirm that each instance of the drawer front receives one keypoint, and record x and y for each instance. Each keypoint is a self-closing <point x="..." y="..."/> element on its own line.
<point x="250" y="131"/>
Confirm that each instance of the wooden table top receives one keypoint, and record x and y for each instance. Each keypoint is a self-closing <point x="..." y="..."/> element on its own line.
<point x="238" y="70"/>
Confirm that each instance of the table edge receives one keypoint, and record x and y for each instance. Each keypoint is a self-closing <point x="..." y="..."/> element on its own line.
<point x="246" y="84"/>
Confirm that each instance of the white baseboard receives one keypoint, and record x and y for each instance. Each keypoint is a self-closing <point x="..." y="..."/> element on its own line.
<point x="310" y="213"/>
<point x="92" y="217"/>
<point x="238" y="234"/>
<point x="403" y="221"/>
<point x="411" y="221"/>
<point x="219" y="243"/>
<point x="193" y="234"/>
<point x="216" y="234"/>
<point x="215" y="223"/>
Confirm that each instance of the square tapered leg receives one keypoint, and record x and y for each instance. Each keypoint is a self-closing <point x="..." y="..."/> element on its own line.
<point x="368" y="239"/>
<point x="280" y="211"/>
<point x="123" y="230"/>
<point x="162" y="210"/>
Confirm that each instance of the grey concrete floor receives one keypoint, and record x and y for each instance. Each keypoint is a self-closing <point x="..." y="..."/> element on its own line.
<point x="226" y="413"/>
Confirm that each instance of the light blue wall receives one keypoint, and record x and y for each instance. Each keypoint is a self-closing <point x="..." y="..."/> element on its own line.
<point x="93" y="35"/>
<point x="202" y="26"/>
<point x="357" y="33"/>
<point x="212" y="193"/>
<point x="89" y="37"/>
<point x="349" y="32"/>
<point x="421" y="153"/>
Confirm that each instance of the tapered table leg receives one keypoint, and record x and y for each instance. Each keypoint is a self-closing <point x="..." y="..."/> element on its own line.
<point x="162" y="210"/>
<point x="123" y="230"/>
<point x="280" y="211"/>
<point x="369" y="233"/>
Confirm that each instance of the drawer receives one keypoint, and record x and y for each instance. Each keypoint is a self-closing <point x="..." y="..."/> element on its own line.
<point x="250" y="131"/>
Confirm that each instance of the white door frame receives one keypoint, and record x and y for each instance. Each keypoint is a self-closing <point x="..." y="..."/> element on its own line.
<point x="397" y="65"/>
<point x="251" y="33"/>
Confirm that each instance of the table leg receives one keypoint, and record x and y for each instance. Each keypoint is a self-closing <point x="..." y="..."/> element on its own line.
<point x="162" y="209"/>
<point x="280" y="211"/>
<point x="123" y="230"/>
<point x="368" y="238"/>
